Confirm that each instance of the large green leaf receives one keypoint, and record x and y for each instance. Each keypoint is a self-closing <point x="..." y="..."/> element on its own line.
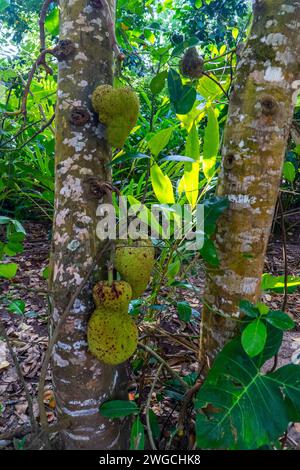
<point x="159" y="141"/>
<point x="118" y="408"/>
<point x="276" y="283"/>
<point x="162" y="185"/>
<point x="213" y="208"/>
<point x="52" y="22"/>
<point x="158" y="82"/>
<point x="137" y="436"/>
<point x="8" y="271"/>
<point x="239" y="407"/>
<point x="211" y="143"/>
<point x="182" y="97"/>
<point x="254" y="337"/>
<point x="289" y="171"/>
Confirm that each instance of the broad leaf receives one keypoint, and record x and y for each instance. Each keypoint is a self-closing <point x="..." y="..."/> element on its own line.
<point x="118" y="408"/>
<point x="254" y="338"/>
<point x="211" y="143"/>
<point x="184" y="311"/>
<point x="9" y="270"/>
<point x="209" y="253"/>
<point x="244" y="408"/>
<point x="280" y="320"/>
<point x="159" y="141"/>
<point x="4" y="4"/>
<point x="158" y="82"/>
<point x="182" y="97"/>
<point x="248" y="309"/>
<point x="52" y="22"/>
<point x="276" y="283"/>
<point x="289" y="171"/>
<point x="17" y="306"/>
<point x="137" y="436"/>
<point x="162" y="185"/>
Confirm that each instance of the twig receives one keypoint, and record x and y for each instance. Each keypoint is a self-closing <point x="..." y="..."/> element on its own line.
<point x="39" y="61"/>
<point x="20" y="375"/>
<point x="162" y="361"/>
<point x="217" y="83"/>
<point x="186" y="400"/>
<point x="42" y="18"/>
<point x="41" y="386"/>
<point x="147" y="409"/>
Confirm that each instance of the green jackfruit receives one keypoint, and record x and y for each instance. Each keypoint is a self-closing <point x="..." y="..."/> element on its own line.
<point x="134" y="260"/>
<point x="118" y="110"/>
<point x="112" y="334"/>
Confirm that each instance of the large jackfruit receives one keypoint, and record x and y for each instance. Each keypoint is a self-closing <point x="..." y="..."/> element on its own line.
<point x="134" y="260"/>
<point x="112" y="334"/>
<point x="118" y="110"/>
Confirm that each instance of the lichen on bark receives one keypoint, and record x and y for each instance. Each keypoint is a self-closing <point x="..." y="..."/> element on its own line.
<point x="258" y="124"/>
<point x="81" y="383"/>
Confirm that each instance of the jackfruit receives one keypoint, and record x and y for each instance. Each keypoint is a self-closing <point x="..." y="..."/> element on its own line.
<point x="118" y="110"/>
<point x="112" y="334"/>
<point x="134" y="260"/>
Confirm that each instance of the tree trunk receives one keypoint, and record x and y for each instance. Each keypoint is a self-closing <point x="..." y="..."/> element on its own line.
<point x="81" y="383"/>
<point x="256" y="133"/>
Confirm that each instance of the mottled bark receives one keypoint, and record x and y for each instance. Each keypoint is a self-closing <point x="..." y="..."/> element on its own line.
<point x="81" y="383"/>
<point x="259" y="120"/>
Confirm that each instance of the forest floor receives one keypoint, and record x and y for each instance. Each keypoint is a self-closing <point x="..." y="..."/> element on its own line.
<point x="176" y="340"/>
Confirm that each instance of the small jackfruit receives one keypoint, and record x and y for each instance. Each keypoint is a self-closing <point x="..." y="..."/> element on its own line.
<point x="134" y="260"/>
<point x="118" y="110"/>
<point x="112" y="334"/>
<point x="191" y="64"/>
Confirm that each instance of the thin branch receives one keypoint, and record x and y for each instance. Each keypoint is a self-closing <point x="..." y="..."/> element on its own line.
<point x="147" y="409"/>
<point x="42" y="18"/>
<point x="217" y="83"/>
<point x="20" y="375"/>
<point x="162" y="361"/>
<point x="47" y="124"/>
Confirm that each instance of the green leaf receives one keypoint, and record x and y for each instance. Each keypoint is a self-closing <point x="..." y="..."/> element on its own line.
<point x="154" y="425"/>
<point x="118" y="408"/>
<point x="162" y="185"/>
<point x="17" y="306"/>
<point x="186" y="101"/>
<point x="137" y="436"/>
<point x="174" y="268"/>
<point x="244" y="408"/>
<point x="254" y="338"/>
<point x="182" y="97"/>
<point x="248" y="309"/>
<point x="198" y="4"/>
<point x="45" y="273"/>
<point x="174" y="86"/>
<point x="189" y="183"/>
<point x="12" y="248"/>
<point x="8" y="271"/>
<point x="192" y="148"/>
<point x="211" y="143"/>
<point x="209" y="253"/>
<point x="276" y="283"/>
<point x="52" y="22"/>
<point x="262" y="308"/>
<point x="184" y="311"/>
<point x="4" y="219"/>
<point x="158" y="82"/>
<point x="235" y="33"/>
<point x="280" y="320"/>
<point x="289" y="171"/>
<point x="4" y="4"/>
<point x="159" y="141"/>
<point x="213" y="208"/>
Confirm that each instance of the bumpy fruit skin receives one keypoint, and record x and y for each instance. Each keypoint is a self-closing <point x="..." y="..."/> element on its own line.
<point x="134" y="260"/>
<point x="112" y="334"/>
<point x="191" y="64"/>
<point x="118" y="109"/>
